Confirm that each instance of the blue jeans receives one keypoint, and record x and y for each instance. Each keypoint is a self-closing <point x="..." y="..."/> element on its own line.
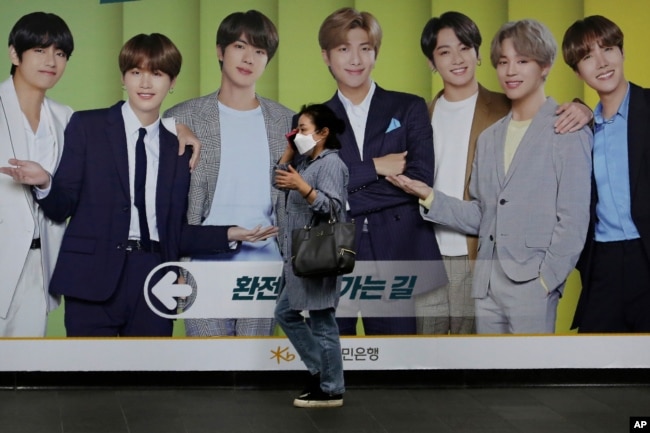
<point x="317" y="343"/>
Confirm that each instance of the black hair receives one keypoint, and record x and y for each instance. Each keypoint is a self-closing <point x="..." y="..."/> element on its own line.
<point x="40" y="30"/>
<point x="324" y="117"/>
<point x="257" y="27"/>
<point x="465" y="29"/>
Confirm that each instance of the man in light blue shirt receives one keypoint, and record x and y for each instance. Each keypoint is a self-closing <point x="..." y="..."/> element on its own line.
<point x="615" y="263"/>
<point x="612" y="175"/>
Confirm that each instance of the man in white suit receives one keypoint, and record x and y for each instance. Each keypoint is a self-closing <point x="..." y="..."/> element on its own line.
<point x="529" y="193"/>
<point x="31" y="128"/>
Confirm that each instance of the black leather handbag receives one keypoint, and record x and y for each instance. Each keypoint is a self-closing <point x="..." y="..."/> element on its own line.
<point x="324" y="247"/>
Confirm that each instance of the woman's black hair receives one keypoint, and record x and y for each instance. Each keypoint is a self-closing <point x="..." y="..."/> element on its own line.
<point x="324" y="117"/>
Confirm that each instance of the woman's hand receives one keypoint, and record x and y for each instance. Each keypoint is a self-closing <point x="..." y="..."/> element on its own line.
<point x="290" y="179"/>
<point x="289" y="152"/>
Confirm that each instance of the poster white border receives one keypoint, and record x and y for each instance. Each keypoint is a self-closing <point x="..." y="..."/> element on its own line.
<point x="362" y="353"/>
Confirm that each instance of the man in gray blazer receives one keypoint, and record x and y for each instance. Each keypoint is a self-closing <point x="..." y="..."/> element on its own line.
<point x="529" y="190"/>
<point x="242" y="137"/>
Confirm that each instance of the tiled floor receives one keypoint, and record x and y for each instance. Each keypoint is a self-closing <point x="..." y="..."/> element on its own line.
<point x="366" y="410"/>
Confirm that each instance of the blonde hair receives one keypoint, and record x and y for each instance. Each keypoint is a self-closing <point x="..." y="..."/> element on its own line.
<point x="333" y="32"/>
<point x="530" y="38"/>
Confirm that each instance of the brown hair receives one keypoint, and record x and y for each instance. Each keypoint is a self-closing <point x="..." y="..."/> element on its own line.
<point x="155" y="52"/>
<point x="582" y="34"/>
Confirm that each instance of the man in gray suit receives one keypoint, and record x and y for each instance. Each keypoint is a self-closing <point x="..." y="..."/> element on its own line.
<point x="242" y="137"/>
<point x="529" y="190"/>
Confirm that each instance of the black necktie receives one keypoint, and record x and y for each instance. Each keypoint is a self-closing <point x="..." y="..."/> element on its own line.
<point x="139" y="186"/>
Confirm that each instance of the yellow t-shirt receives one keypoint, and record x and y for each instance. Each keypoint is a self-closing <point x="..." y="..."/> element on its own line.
<point x="516" y="131"/>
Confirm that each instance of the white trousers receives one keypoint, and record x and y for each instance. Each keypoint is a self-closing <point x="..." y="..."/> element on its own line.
<point x="27" y="315"/>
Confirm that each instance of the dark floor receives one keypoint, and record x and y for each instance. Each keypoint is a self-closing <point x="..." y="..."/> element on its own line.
<point x="570" y="409"/>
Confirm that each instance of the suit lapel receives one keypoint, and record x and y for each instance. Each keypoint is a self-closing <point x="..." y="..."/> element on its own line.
<point x="350" y="150"/>
<point x="499" y="153"/>
<point x="522" y="152"/>
<point x="269" y="120"/>
<point x="481" y="116"/>
<point x="379" y="116"/>
<point x="57" y="129"/>
<point x="58" y="117"/>
<point x="210" y="118"/>
<point x="168" y="146"/>
<point x="17" y="145"/>
<point x="116" y="136"/>
<point x="479" y="124"/>
<point x="275" y="130"/>
<point x="638" y="113"/>
<point x="432" y="105"/>
<point x="526" y="149"/>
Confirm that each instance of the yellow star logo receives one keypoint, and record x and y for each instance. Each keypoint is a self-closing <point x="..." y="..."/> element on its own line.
<point x="282" y="354"/>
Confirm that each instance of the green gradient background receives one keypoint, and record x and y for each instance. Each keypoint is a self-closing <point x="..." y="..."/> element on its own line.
<point x="297" y="74"/>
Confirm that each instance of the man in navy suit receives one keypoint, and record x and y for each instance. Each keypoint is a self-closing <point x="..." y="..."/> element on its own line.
<point x="124" y="219"/>
<point x="387" y="133"/>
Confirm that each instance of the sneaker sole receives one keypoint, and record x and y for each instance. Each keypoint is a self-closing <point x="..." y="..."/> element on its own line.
<point x="317" y="403"/>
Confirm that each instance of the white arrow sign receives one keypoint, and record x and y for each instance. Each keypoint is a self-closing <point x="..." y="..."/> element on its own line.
<point x="250" y="289"/>
<point x="166" y="291"/>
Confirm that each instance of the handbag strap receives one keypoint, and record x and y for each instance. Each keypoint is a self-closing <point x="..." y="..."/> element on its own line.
<point x="333" y="218"/>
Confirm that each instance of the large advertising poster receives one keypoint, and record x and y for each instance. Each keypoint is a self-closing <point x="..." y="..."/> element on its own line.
<point x="297" y="75"/>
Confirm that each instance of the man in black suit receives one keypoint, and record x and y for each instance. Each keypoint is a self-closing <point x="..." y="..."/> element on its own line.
<point x="615" y="263"/>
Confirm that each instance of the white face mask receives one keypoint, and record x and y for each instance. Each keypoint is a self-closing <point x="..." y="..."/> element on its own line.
<point x="305" y="143"/>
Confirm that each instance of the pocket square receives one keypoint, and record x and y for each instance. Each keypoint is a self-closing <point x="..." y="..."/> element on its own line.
<point x="394" y="124"/>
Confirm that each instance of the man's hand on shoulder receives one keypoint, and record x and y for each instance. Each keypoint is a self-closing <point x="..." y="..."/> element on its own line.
<point x="572" y="116"/>
<point x="187" y="138"/>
